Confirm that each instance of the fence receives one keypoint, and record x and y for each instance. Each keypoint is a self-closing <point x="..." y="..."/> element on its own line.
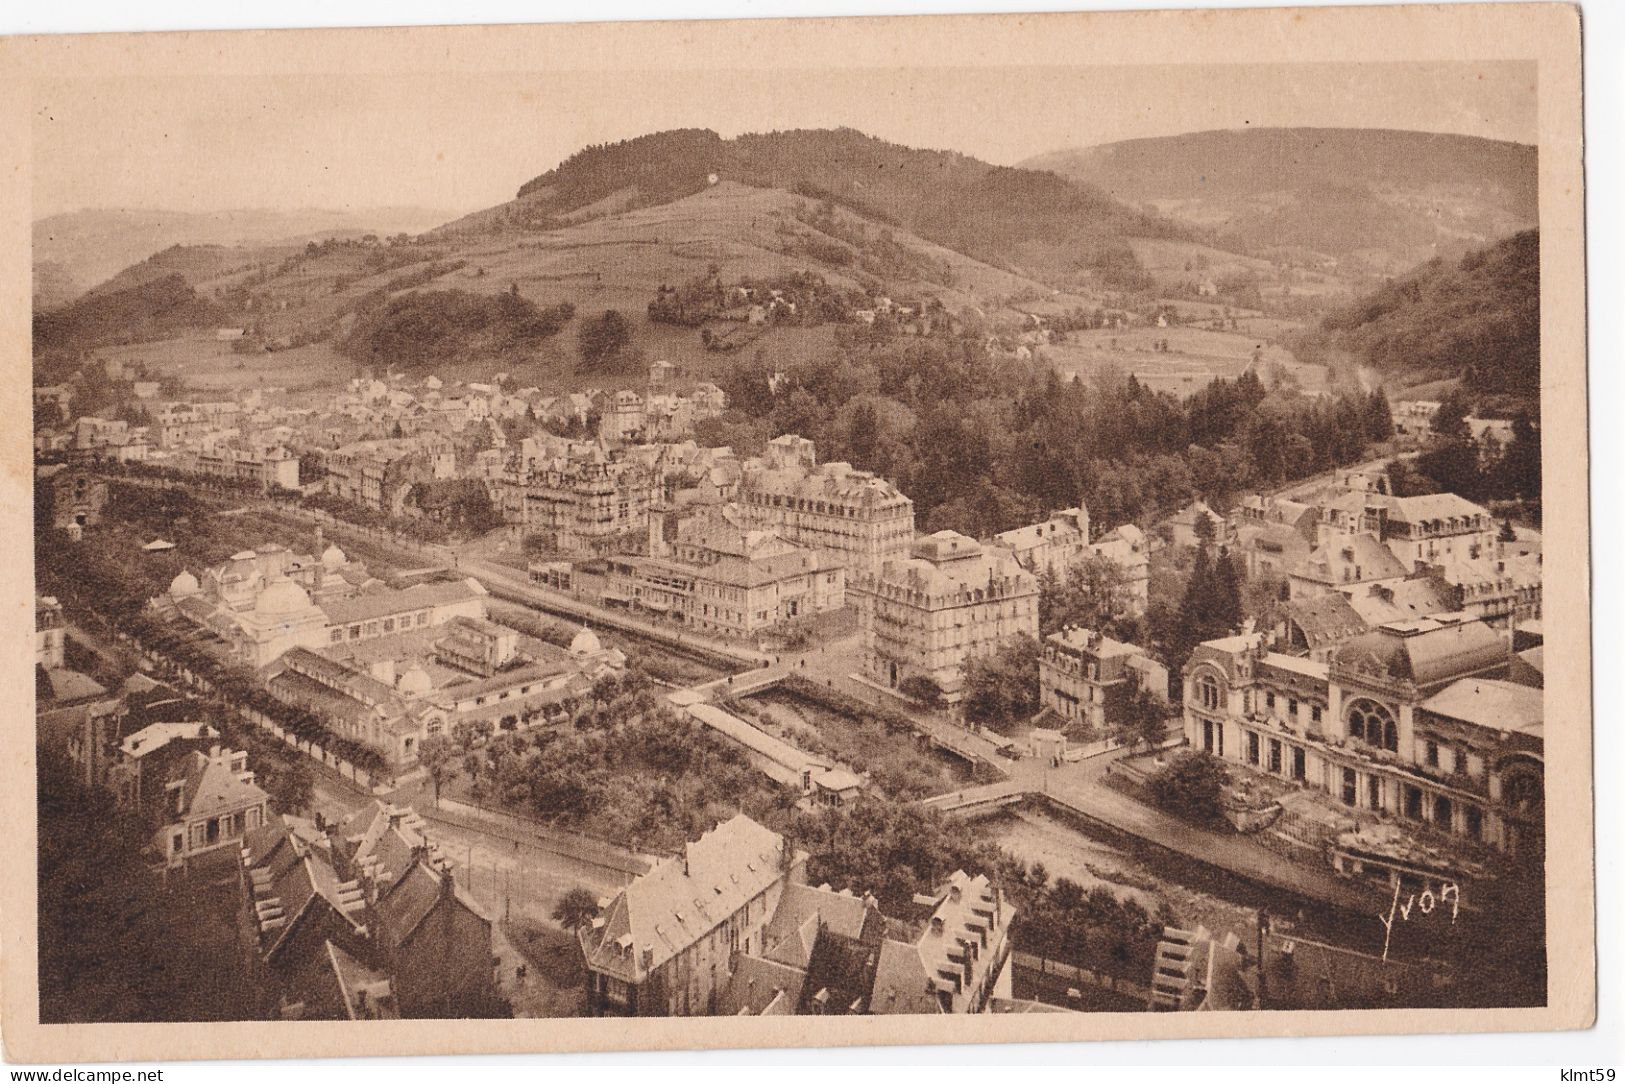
<point x="577" y="846"/>
<point x="1082" y="976"/>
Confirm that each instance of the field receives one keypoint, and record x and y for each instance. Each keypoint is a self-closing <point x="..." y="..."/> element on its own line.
<point x="1194" y="358"/>
<point x="210" y="366"/>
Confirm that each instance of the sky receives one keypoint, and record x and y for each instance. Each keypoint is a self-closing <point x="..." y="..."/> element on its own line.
<point x="459" y="142"/>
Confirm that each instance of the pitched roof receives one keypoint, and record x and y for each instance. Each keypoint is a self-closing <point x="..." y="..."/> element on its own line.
<point x="1325" y="619"/>
<point x="391" y="601"/>
<point x="1355" y="558"/>
<point x="1427" y="651"/>
<point x="209" y="786"/>
<point x="682" y="899"/>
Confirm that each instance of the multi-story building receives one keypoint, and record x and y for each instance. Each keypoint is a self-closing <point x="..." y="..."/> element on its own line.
<point x="1409" y="725"/>
<point x="667" y="943"/>
<point x="582" y="501"/>
<point x="1432" y="528"/>
<point x="859" y="519"/>
<point x="50" y="650"/>
<point x="1054" y="547"/>
<point x="621" y="416"/>
<point x="1088" y="678"/>
<point x="715" y="575"/>
<point x="269" y="468"/>
<point x="731" y="928"/>
<point x="952" y="600"/>
<point x="211" y="802"/>
<point x="378" y="474"/>
<point x="71" y="498"/>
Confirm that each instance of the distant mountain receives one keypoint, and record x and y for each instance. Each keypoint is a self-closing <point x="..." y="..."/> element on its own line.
<point x="77" y="250"/>
<point x="1389" y="199"/>
<point x="1019" y="219"/>
<point x="1476" y="318"/>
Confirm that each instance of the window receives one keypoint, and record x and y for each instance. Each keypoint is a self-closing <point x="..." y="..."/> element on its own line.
<point x="1299" y="770"/>
<point x="1474" y="822"/>
<point x="1314" y="712"/>
<point x="1252" y="748"/>
<point x="1349" y="784"/>
<point x="1269" y="701"/>
<point x="1208" y="694"/>
<point x="1275" y="756"/>
<point x="1373" y="724"/>
<point x="1373" y="791"/>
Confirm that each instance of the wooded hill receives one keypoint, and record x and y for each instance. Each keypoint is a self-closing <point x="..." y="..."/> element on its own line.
<point x="1013" y="218"/>
<point x="1390" y="196"/>
<point x="1477" y="318"/>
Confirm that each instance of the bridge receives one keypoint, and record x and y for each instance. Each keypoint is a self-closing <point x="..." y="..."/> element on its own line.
<point x="973" y="801"/>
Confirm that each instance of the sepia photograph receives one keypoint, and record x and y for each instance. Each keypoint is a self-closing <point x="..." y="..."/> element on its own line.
<point x="738" y="520"/>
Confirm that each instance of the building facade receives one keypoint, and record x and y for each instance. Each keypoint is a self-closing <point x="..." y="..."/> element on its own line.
<point x="1086" y="677"/>
<point x="860" y="520"/>
<point x="951" y="601"/>
<point x="1410" y="726"/>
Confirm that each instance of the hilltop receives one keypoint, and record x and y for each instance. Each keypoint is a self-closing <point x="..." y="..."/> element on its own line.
<point x="77" y="250"/>
<point x="1024" y="220"/>
<point x="1378" y="199"/>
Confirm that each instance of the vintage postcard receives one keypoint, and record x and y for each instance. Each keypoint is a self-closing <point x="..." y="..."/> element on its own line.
<point x="970" y="529"/>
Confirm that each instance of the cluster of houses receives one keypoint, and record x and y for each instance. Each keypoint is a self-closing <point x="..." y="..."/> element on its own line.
<point x="374" y="440"/>
<point x="730" y="927"/>
<point x="362" y="920"/>
<point x="1388" y="556"/>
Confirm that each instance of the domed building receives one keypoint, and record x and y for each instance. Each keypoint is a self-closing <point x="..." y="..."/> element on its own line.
<point x="283" y="617"/>
<point x="586" y="642"/>
<point x="183" y="586"/>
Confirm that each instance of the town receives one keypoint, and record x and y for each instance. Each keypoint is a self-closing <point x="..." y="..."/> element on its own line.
<point x="813" y="646"/>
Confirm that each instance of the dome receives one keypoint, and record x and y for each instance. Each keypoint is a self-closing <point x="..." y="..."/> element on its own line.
<point x="280" y="598"/>
<point x="333" y="557"/>
<point x="183" y="585"/>
<point x="415" y="681"/>
<point x="585" y="643"/>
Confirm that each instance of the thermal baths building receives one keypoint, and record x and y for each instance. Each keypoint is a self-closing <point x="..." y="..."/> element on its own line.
<point x="859" y="519"/>
<point x="952" y="600"/>
<point x="267" y="601"/>
<point x="1410" y="725"/>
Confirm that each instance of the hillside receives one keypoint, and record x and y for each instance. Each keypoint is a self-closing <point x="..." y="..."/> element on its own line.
<point x="1476" y="318"/>
<point x="77" y="250"/>
<point x="149" y="310"/>
<point x="1019" y="219"/>
<point x="1384" y="200"/>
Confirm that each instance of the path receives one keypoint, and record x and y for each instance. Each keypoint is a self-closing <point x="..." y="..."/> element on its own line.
<point x="1081" y="790"/>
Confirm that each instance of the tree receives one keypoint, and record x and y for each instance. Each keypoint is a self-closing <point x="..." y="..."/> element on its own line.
<point x="1002" y="689"/>
<point x="438" y="756"/>
<point x="1095" y="594"/>
<point x="601" y="340"/>
<point x="1191" y="785"/>
<point x="1520" y="465"/>
<point x="1144" y="719"/>
<point x="922" y="689"/>
<point x="575" y="909"/>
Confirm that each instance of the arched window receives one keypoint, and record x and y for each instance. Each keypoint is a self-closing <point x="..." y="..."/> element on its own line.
<point x="1373" y="724"/>
<point x="1209" y="694"/>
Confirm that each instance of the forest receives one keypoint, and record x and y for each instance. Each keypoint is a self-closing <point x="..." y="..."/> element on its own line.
<point x="984" y="444"/>
<point x="430" y="327"/>
<point x="1477" y="318"/>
